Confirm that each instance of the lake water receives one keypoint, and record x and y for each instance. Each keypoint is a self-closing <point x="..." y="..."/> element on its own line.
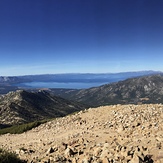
<point x="67" y="85"/>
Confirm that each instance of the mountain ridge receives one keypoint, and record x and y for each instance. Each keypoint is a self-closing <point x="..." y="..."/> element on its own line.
<point x="146" y="89"/>
<point x="22" y="107"/>
<point x="26" y="106"/>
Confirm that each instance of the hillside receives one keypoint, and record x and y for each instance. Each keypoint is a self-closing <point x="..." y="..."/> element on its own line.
<point x="110" y="134"/>
<point x="146" y="89"/>
<point x="22" y="107"/>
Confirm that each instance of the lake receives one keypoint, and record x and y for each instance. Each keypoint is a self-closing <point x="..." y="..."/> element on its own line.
<point x="68" y="85"/>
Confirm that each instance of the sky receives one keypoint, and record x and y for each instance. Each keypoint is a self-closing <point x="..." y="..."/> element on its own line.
<point x="80" y="36"/>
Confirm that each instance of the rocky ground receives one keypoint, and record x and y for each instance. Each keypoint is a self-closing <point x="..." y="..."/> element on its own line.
<point x="110" y="134"/>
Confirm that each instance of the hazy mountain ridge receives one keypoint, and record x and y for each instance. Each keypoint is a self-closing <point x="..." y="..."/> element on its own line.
<point x="73" y="77"/>
<point x="12" y="83"/>
<point x="22" y="107"/>
<point x="146" y="89"/>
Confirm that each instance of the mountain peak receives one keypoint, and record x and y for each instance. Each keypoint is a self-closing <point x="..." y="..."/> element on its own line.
<point x="22" y="106"/>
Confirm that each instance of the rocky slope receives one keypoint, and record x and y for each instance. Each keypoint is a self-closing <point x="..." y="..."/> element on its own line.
<point x="22" y="106"/>
<point x="147" y="89"/>
<point x="110" y="134"/>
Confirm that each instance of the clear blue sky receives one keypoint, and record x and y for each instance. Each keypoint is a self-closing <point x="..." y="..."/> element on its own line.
<point x="69" y="36"/>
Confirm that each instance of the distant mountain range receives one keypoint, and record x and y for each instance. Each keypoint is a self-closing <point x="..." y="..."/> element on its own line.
<point x="22" y="107"/>
<point x="146" y="89"/>
<point x="74" y="77"/>
<point x="12" y="83"/>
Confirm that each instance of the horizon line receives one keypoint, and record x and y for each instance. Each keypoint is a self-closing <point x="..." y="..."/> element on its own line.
<point x="84" y="73"/>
